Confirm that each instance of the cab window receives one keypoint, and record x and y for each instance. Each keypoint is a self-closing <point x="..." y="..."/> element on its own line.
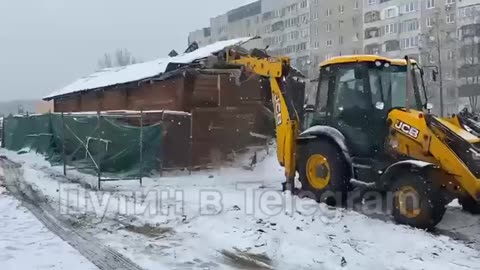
<point x="350" y="92"/>
<point x="322" y="92"/>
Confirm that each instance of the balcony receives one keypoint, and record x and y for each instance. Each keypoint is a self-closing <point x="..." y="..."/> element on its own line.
<point x="373" y="49"/>
<point x="469" y="31"/>
<point x="372" y="16"/>
<point x="392" y="45"/>
<point x="372" y="32"/>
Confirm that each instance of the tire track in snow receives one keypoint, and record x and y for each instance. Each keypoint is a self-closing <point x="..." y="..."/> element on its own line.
<point x="105" y="258"/>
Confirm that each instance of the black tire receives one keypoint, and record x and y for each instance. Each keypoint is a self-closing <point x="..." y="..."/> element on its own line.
<point x="335" y="193"/>
<point x="431" y="203"/>
<point x="470" y="205"/>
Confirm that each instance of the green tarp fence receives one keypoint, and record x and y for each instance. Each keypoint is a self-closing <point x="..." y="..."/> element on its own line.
<point x="91" y="142"/>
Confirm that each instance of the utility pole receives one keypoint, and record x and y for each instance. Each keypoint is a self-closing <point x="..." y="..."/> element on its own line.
<point x="439" y="51"/>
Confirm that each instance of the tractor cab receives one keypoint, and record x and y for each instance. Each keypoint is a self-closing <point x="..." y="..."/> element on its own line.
<point x="356" y="93"/>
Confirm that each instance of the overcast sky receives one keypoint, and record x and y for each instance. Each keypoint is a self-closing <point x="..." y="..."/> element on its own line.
<point x="46" y="44"/>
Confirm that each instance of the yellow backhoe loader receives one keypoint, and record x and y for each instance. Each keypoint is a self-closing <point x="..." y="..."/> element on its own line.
<point x="371" y="125"/>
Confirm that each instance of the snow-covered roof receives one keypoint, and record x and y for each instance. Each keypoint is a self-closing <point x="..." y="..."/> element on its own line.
<point x="136" y="72"/>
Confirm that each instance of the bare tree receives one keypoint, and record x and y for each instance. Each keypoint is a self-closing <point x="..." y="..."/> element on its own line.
<point x="105" y="61"/>
<point x="121" y="57"/>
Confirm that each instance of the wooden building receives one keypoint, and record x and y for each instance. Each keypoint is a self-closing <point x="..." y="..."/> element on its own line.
<point x="223" y="116"/>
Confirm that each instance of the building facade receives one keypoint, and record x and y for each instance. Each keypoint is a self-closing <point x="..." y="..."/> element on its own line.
<point x="426" y="30"/>
<point x="336" y="29"/>
<point x="392" y="28"/>
<point x="310" y="31"/>
<point x="468" y="48"/>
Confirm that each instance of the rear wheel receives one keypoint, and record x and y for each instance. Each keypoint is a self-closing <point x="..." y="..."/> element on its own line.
<point x="470" y="205"/>
<point x="324" y="172"/>
<point x="417" y="202"/>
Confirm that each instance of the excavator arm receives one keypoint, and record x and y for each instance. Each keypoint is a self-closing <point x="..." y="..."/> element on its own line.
<point x="276" y="69"/>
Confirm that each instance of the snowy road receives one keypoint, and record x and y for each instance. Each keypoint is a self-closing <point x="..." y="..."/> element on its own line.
<point x="26" y="244"/>
<point x="235" y="234"/>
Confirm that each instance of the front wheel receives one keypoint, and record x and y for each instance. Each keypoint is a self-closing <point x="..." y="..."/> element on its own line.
<point x="324" y="173"/>
<point x="417" y="202"/>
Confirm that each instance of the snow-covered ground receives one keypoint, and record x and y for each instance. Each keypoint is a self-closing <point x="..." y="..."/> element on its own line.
<point x="233" y="218"/>
<point x="26" y="244"/>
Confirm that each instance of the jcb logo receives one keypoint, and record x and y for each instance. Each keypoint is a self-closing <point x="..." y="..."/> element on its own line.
<point x="277" y="107"/>
<point x="407" y="129"/>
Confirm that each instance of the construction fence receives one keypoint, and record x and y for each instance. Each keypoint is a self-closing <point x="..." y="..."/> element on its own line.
<point x="95" y="144"/>
<point x="130" y="145"/>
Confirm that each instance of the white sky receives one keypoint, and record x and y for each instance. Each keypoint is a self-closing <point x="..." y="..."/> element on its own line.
<point x="46" y="44"/>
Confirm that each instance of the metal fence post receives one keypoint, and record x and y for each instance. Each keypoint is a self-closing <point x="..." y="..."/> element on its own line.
<point x="3" y="132"/>
<point x="99" y="163"/>
<point x="162" y="145"/>
<point x="141" y="147"/>
<point x="64" y="159"/>
<point x="190" y="161"/>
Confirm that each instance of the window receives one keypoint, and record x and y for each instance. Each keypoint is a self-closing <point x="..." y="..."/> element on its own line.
<point x="392" y="45"/>
<point x="304" y="4"/>
<point x="294" y="35"/>
<point x="468" y="11"/>
<point x="304" y="18"/>
<point x="450" y="18"/>
<point x="317" y="30"/>
<point x="391" y="12"/>
<point x="316" y="45"/>
<point x="451" y="55"/>
<point x="341" y="9"/>
<point x="302" y="46"/>
<point x="315" y="15"/>
<point x="410" y="25"/>
<point x="390" y="28"/>
<point x="304" y="32"/>
<point x="340" y="40"/>
<point x="430" y="3"/>
<point x="430" y="22"/>
<point x="328" y="27"/>
<point x="322" y="94"/>
<point x="410" y="42"/>
<point x="350" y="93"/>
<point x="315" y="2"/>
<point x="329" y="12"/>
<point x="329" y="42"/>
<point x="268" y="28"/>
<point x="372" y="16"/>
<point x="410" y="7"/>
<point x="356" y="5"/>
<point x="449" y="2"/>
<point x="371" y="2"/>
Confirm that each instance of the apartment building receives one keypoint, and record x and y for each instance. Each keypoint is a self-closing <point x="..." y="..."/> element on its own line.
<point x="468" y="49"/>
<point x="392" y="28"/>
<point x="202" y="36"/>
<point x="336" y="28"/>
<point x="439" y="48"/>
<point x="286" y="30"/>
<point x="310" y="31"/>
<point x="240" y="22"/>
<point x="420" y="29"/>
